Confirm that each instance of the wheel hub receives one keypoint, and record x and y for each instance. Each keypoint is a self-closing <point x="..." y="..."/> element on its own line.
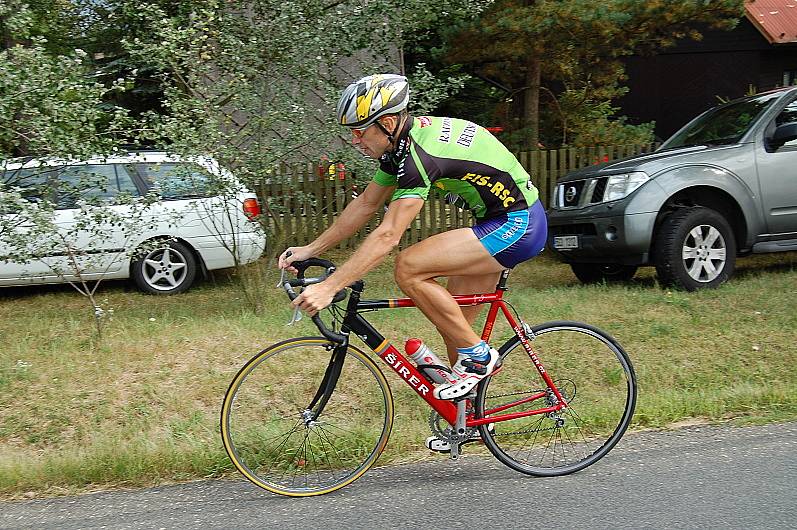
<point x="307" y="418"/>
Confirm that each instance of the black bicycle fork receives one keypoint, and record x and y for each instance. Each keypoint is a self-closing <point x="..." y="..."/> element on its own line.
<point x="338" y="357"/>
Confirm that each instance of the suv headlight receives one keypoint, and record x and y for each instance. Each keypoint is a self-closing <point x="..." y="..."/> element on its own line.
<point x="618" y="186"/>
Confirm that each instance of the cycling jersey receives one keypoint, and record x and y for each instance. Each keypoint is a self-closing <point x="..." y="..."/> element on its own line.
<point x="461" y="159"/>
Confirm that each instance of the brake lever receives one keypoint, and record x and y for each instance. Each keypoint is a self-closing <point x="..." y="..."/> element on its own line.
<point x="281" y="281"/>
<point x="296" y="317"/>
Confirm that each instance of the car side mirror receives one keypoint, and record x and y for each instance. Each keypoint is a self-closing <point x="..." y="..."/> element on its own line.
<point x="785" y="132"/>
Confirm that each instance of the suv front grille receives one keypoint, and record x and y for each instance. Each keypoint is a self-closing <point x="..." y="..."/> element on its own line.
<point x="580" y="193"/>
<point x="581" y="229"/>
<point x="600" y="187"/>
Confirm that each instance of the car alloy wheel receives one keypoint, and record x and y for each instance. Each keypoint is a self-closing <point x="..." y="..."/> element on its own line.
<point x="704" y="253"/>
<point x="166" y="269"/>
<point x="694" y="248"/>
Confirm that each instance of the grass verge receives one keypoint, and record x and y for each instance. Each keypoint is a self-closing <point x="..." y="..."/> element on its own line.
<point x="142" y="408"/>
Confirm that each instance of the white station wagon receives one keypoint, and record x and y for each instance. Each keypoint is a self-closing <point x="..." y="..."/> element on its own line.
<point x="193" y="227"/>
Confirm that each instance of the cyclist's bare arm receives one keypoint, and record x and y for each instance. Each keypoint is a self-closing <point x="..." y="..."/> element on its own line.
<point x="353" y="217"/>
<point x="373" y="250"/>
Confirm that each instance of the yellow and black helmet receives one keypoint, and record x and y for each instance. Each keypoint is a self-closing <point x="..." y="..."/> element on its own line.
<point x="371" y="97"/>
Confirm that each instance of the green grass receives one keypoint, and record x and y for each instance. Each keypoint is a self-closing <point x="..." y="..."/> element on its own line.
<point x="142" y="408"/>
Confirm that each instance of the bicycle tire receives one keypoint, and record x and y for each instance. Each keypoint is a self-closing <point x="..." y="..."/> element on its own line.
<point x="595" y="377"/>
<point x="270" y="441"/>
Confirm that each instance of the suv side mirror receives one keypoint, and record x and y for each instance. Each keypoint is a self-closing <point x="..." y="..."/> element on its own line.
<point x="785" y="132"/>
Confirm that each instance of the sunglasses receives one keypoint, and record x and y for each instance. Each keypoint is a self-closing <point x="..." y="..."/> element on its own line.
<point x="358" y="133"/>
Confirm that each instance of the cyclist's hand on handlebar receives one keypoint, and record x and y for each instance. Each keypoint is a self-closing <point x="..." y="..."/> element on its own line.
<point x="314" y="298"/>
<point x="292" y="254"/>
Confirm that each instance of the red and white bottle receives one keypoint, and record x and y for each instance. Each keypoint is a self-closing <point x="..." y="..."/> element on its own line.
<point x="421" y="354"/>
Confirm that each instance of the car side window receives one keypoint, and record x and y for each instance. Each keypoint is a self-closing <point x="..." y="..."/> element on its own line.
<point x="34" y="183"/>
<point x="124" y="181"/>
<point x="788" y="115"/>
<point x="93" y="183"/>
<point x="174" y="181"/>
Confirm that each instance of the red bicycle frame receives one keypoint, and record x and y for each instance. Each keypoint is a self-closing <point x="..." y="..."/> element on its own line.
<point x="407" y="371"/>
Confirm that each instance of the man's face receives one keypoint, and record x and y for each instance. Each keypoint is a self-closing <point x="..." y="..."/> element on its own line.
<point x="371" y="141"/>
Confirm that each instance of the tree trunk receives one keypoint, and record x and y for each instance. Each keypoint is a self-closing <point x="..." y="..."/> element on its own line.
<point x="531" y="103"/>
<point x="6" y="42"/>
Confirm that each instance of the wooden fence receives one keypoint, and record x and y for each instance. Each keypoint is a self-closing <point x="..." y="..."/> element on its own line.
<point x="300" y="205"/>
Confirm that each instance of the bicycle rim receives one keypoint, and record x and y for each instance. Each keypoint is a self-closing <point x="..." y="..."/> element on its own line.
<point x="271" y="438"/>
<point x="594" y="377"/>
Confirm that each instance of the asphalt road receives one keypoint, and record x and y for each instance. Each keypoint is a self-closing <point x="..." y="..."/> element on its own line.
<point x="697" y="477"/>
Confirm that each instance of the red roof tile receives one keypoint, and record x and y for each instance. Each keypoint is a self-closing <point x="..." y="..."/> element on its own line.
<point x="775" y="19"/>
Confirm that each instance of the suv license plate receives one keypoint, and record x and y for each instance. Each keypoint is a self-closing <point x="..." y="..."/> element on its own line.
<point x="564" y="242"/>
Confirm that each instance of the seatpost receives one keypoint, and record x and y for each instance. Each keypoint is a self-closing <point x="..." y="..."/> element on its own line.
<point x="502" y="281"/>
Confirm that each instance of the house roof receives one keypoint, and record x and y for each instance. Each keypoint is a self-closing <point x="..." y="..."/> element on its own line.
<point x="775" y="19"/>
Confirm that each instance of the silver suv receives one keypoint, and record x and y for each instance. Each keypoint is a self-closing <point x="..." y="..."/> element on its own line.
<point x="724" y="185"/>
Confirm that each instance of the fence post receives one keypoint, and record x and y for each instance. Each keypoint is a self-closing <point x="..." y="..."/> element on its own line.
<point x="286" y="199"/>
<point x="571" y="159"/>
<point x="546" y="172"/>
<point x="533" y="167"/>
<point x="318" y="204"/>
<point x="328" y="198"/>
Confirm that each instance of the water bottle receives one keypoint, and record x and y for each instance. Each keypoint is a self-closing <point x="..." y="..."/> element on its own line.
<point x="421" y="354"/>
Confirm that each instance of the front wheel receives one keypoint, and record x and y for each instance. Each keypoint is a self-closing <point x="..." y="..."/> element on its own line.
<point x="596" y="381"/>
<point x="277" y="443"/>
<point x="694" y="249"/>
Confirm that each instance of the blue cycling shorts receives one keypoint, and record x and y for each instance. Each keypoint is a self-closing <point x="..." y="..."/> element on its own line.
<point x="514" y="237"/>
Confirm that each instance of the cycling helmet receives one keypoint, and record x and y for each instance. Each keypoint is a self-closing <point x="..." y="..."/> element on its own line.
<point x="364" y="101"/>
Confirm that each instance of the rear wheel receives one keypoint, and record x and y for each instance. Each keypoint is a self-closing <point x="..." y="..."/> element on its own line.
<point x="274" y="440"/>
<point x="595" y="379"/>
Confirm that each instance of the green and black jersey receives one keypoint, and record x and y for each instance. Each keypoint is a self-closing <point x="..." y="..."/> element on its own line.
<point x="460" y="159"/>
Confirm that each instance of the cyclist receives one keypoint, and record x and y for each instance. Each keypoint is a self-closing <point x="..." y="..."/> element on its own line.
<point x="417" y="154"/>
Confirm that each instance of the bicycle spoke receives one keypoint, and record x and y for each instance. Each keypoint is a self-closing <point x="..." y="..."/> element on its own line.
<point x="270" y="436"/>
<point x="593" y="376"/>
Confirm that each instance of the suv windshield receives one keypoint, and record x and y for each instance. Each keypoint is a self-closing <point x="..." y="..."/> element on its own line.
<point x="722" y="125"/>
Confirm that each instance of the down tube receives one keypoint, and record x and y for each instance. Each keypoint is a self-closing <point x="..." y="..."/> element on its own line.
<point x="402" y="366"/>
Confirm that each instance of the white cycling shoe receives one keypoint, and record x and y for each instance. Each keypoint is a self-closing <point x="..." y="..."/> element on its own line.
<point x="468" y="373"/>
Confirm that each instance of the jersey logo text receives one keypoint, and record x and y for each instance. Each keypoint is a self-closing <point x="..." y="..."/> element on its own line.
<point x="466" y="138"/>
<point x="445" y="131"/>
<point x="496" y="188"/>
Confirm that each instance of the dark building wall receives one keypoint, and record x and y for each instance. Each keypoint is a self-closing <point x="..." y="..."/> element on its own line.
<point x="673" y="87"/>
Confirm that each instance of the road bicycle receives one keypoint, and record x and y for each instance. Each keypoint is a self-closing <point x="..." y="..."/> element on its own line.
<point x="310" y="415"/>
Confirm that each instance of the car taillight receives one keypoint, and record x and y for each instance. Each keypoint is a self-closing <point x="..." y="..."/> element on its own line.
<point x="251" y="208"/>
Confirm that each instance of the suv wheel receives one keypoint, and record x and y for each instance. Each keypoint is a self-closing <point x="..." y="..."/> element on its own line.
<point x="169" y="268"/>
<point x="600" y="272"/>
<point x="695" y="249"/>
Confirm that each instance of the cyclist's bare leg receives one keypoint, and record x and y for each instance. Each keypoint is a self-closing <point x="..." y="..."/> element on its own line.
<point x="455" y="253"/>
<point x="469" y="285"/>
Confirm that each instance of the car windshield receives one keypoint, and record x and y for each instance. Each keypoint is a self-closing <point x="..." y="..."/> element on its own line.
<point x="722" y="125"/>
